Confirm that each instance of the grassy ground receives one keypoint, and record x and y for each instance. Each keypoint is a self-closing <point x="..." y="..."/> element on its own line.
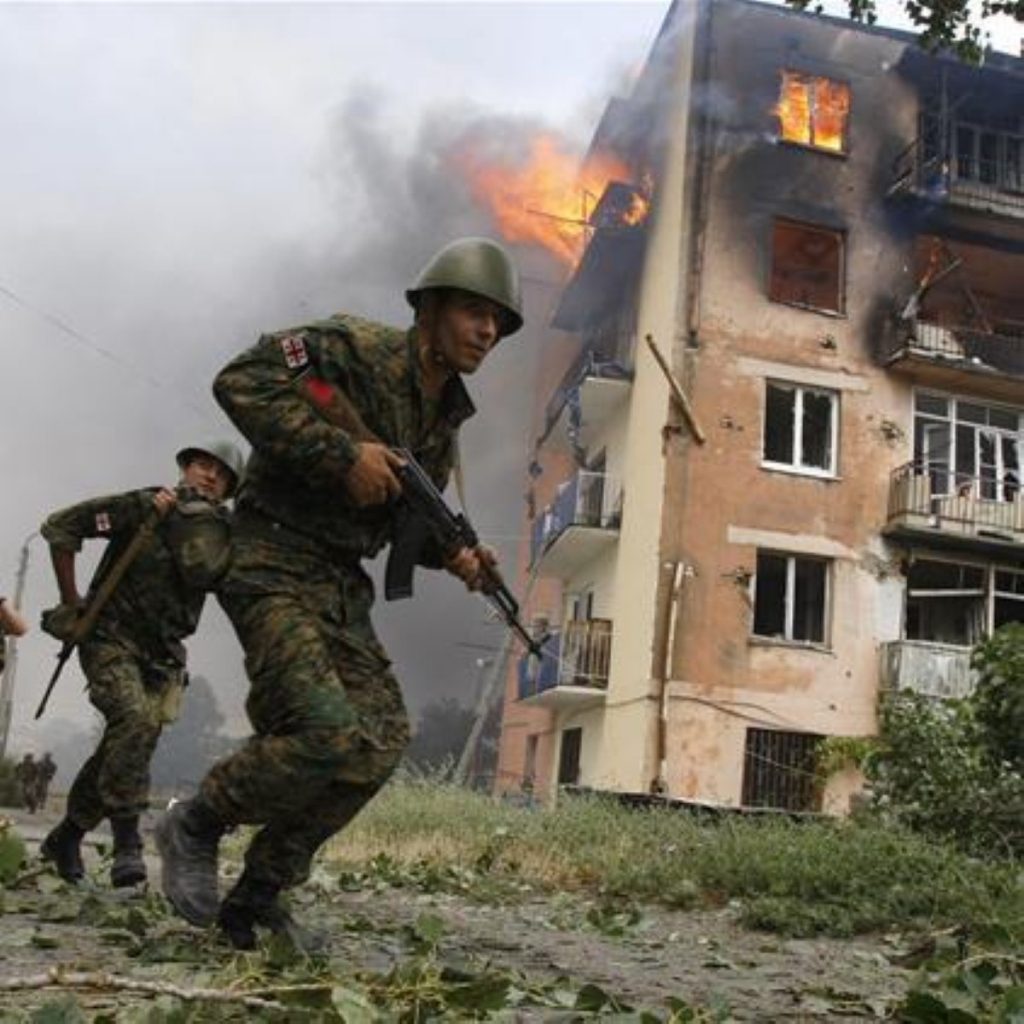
<point x="795" y="878"/>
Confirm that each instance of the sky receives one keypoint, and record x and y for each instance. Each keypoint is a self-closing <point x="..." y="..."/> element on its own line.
<point x="178" y="178"/>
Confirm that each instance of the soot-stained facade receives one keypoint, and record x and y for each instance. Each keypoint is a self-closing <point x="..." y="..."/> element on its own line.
<point x="824" y="240"/>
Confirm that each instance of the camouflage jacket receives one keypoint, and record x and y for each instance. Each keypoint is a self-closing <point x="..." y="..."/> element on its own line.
<point x="278" y="393"/>
<point x="151" y="610"/>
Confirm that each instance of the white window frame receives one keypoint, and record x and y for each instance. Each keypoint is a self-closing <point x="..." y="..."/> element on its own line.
<point x="825" y="643"/>
<point x="829" y="473"/>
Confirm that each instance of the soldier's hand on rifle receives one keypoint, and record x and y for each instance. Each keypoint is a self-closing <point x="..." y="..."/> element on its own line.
<point x="371" y="480"/>
<point x="61" y="621"/>
<point x="164" y="500"/>
<point x="476" y="567"/>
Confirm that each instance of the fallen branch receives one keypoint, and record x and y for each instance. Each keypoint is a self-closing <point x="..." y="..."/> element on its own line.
<point x="100" y="980"/>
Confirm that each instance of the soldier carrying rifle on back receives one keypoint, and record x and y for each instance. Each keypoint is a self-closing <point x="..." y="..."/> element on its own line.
<point x="166" y="548"/>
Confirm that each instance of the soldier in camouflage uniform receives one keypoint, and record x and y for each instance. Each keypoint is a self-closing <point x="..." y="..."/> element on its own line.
<point x="26" y="774"/>
<point x="134" y="659"/>
<point x="45" y="771"/>
<point x="327" y="713"/>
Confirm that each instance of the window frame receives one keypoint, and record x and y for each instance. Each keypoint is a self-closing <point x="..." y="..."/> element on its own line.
<point x="843" y="238"/>
<point x="844" y="151"/>
<point x="789" y="602"/>
<point x="794" y="467"/>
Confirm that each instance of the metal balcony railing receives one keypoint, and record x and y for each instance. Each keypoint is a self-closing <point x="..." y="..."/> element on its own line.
<point x="577" y="655"/>
<point x="589" y="364"/>
<point x="588" y="499"/>
<point x="963" y="177"/>
<point x="966" y="347"/>
<point x="937" y="498"/>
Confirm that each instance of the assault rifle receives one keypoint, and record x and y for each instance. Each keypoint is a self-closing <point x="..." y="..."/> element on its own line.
<point x="424" y="517"/>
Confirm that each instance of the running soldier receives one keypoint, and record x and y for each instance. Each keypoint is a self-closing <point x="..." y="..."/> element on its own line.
<point x="134" y="658"/>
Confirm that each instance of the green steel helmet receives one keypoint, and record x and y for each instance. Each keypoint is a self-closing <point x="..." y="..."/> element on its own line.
<point x="475" y="265"/>
<point x="225" y="452"/>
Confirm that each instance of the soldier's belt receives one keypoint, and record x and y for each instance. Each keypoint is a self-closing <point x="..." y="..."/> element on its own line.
<point x="257" y="524"/>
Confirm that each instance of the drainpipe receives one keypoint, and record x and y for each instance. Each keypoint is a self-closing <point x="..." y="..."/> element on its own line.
<point x="668" y="617"/>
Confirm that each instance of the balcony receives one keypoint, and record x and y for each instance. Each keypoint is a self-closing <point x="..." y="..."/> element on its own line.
<point x="978" y="171"/>
<point x="933" y="670"/>
<point x="581" y="523"/>
<point x="574" y="669"/>
<point x="593" y="388"/>
<point x="957" y="357"/>
<point x="940" y="506"/>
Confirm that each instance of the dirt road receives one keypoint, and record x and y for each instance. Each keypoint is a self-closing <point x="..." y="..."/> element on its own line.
<point x="641" y="956"/>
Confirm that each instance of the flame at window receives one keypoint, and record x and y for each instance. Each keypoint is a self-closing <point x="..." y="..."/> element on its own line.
<point x="813" y="111"/>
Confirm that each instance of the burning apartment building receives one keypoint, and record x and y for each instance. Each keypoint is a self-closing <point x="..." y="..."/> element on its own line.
<point x="815" y="494"/>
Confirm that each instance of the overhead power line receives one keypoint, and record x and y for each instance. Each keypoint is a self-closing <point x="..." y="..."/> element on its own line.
<point x="94" y="346"/>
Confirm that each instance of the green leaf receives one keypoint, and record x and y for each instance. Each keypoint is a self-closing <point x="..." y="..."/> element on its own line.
<point x="59" y="1011"/>
<point x="353" y="1007"/>
<point x="12" y="854"/>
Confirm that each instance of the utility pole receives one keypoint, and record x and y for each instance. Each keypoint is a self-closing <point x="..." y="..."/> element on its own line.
<point x="11" y="666"/>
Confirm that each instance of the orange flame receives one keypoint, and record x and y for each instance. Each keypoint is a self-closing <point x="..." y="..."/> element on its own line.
<point x="548" y="198"/>
<point x="813" y="111"/>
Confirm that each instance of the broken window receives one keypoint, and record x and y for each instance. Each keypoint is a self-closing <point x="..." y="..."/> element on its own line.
<point x="779" y="770"/>
<point x="946" y="602"/>
<point x="807" y="266"/>
<point x="813" y="111"/>
<point x="800" y="427"/>
<point x="967" y="448"/>
<point x="790" y="597"/>
<point x="961" y="603"/>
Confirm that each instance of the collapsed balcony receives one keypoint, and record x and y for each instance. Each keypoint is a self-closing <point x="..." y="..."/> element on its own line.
<point x="986" y="510"/>
<point x="574" y="668"/>
<point x="579" y="524"/>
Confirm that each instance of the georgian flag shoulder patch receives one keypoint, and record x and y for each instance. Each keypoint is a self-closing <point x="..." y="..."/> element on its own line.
<point x="294" y="349"/>
<point x="103" y="522"/>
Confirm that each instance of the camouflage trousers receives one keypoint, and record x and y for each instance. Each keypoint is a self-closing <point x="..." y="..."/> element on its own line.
<point x="327" y="714"/>
<point x="137" y="699"/>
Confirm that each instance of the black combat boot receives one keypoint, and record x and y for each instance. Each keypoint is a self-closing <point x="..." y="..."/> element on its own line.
<point x="187" y="837"/>
<point x="253" y="903"/>
<point x="128" y="868"/>
<point x="64" y="847"/>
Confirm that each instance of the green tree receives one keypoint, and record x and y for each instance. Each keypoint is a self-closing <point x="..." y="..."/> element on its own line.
<point x="440" y="733"/>
<point x="189" y="746"/>
<point x="941" y="24"/>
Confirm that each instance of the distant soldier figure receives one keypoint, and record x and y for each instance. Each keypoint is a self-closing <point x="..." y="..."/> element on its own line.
<point x="45" y="771"/>
<point x="25" y="773"/>
<point x="134" y="658"/>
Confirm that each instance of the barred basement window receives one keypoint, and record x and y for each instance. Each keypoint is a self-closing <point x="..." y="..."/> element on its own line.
<point x="813" y="111"/>
<point x="800" y="428"/>
<point x="778" y="770"/>
<point x="790" y="598"/>
<point x="807" y="266"/>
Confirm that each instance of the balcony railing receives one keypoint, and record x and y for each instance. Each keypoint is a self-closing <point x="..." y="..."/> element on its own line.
<point x="573" y="399"/>
<point x="962" y="348"/>
<point x="961" y="176"/>
<point x="934" y="499"/>
<point x="931" y="669"/>
<point x="575" y="658"/>
<point x="588" y="504"/>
